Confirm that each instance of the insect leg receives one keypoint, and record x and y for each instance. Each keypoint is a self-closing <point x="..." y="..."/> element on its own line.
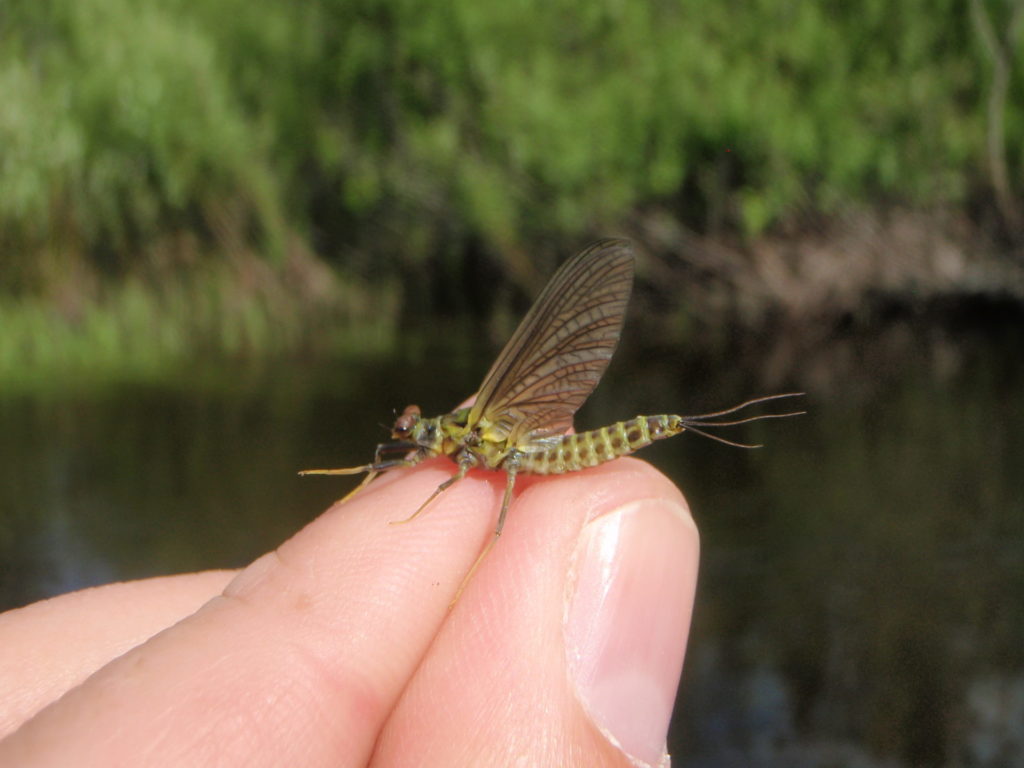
<point x="345" y="471"/>
<point x="466" y="462"/>
<point x="506" y="499"/>
<point x="511" y="469"/>
<point x="379" y="465"/>
<point x="372" y="470"/>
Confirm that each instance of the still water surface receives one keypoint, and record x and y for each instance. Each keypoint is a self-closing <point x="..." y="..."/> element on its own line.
<point x="861" y="596"/>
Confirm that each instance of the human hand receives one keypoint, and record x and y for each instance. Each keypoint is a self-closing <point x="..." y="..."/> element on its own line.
<point x="338" y="648"/>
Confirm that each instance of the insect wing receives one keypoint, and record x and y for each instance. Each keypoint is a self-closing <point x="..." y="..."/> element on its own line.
<point x="561" y="348"/>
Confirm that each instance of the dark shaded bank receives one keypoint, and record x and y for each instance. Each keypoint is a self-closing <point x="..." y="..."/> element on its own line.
<point x="827" y="277"/>
<point x="837" y="272"/>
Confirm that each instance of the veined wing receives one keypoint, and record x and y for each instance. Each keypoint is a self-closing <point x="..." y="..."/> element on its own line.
<point x="561" y="348"/>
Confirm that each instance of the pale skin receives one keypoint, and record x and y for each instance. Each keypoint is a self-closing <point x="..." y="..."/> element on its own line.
<point x="339" y="649"/>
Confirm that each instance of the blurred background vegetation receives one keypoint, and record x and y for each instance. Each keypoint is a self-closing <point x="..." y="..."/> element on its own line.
<point x="235" y="179"/>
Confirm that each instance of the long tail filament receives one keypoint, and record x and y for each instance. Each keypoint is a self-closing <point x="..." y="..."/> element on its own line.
<point x="700" y="421"/>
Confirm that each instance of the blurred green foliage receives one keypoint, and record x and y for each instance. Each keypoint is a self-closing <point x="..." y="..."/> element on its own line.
<point x="125" y="121"/>
<point x="385" y="135"/>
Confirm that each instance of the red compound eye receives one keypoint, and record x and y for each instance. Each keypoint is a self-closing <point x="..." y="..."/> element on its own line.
<point x="404" y="423"/>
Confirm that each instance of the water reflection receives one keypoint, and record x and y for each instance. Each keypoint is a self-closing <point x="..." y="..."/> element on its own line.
<point x="859" y="599"/>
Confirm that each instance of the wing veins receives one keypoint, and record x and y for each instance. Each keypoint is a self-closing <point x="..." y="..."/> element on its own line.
<point x="561" y="348"/>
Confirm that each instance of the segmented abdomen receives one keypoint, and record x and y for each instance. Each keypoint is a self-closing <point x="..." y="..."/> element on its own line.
<point x="588" y="449"/>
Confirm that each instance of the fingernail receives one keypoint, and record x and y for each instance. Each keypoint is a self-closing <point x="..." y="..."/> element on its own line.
<point x="628" y="618"/>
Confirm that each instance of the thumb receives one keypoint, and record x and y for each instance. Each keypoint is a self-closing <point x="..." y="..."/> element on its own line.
<point x="566" y="647"/>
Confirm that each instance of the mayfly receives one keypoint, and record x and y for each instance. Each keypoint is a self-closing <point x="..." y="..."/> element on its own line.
<point x="526" y="403"/>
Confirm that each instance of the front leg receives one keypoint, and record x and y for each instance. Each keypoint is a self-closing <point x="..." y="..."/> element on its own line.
<point x="380" y="464"/>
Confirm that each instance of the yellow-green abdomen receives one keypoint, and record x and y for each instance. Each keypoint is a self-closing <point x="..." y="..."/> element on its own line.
<point x="588" y="449"/>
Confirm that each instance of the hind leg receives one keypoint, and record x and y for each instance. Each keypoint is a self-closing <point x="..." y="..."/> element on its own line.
<point x="505" y="502"/>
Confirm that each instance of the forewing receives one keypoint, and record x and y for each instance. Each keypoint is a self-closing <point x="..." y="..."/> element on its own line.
<point x="561" y="348"/>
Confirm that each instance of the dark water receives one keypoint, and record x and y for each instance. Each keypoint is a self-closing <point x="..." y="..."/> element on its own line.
<point x="861" y="598"/>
